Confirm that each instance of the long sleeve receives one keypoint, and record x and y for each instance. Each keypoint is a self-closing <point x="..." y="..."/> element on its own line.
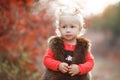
<point x="53" y="64"/>
<point x="50" y="62"/>
<point x="88" y="65"/>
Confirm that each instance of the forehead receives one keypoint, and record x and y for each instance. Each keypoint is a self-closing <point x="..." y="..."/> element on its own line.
<point x="69" y="20"/>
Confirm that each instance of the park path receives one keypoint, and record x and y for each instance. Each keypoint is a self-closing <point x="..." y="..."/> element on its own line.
<point x="106" y="69"/>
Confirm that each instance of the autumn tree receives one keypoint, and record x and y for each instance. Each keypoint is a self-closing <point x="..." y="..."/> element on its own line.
<point x="23" y="37"/>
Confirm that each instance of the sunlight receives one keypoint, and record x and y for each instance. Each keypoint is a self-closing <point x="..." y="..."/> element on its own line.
<point x="94" y="6"/>
<point x="88" y="6"/>
<point x="98" y="6"/>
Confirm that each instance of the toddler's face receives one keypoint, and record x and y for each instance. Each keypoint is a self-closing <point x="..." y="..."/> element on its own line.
<point x="69" y="27"/>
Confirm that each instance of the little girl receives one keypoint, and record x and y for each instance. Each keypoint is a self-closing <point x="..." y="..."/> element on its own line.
<point x="68" y="56"/>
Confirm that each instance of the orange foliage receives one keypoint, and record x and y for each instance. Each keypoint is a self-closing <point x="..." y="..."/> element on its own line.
<point x="22" y="32"/>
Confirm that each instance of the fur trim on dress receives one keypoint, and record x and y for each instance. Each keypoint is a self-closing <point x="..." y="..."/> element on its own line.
<point x="78" y="57"/>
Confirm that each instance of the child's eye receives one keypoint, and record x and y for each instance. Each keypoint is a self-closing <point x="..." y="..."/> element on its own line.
<point x="64" y="27"/>
<point x="72" y="26"/>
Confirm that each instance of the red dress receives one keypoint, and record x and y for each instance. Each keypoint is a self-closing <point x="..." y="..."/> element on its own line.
<point x="53" y="64"/>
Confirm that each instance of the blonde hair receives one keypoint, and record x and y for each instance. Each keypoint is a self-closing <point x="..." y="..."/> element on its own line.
<point x="69" y="12"/>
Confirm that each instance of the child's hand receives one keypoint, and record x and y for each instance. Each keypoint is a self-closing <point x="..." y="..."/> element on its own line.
<point x="63" y="67"/>
<point x="74" y="69"/>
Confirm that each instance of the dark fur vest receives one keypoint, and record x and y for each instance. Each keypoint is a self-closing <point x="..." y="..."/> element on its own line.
<point x="78" y="57"/>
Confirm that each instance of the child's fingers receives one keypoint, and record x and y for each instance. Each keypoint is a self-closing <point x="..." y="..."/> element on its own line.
<point x="64" y="70"/>
<point x="73" y="70"/>
<point x="63" y="67"/>
<point x="73" y="74"/>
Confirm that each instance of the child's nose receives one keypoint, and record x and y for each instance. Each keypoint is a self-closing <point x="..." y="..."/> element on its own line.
<point x="67" y="29"/>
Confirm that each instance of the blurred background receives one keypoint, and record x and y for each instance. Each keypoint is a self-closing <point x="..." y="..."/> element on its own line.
<point x="25" y="26"/>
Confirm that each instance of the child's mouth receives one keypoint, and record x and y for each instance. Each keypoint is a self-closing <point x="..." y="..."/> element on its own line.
<point x="67" y="35"/>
